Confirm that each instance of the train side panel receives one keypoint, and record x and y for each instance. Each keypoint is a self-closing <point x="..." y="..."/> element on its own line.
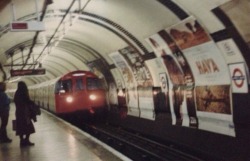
<point x="51" y="98"/>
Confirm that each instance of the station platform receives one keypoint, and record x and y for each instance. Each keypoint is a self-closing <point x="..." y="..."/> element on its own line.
<point x="56" y="140"/>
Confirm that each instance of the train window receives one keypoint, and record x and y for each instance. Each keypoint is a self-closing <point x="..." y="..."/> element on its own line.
<point x="57" y="87"/>
<point x="67" y="85"/>
<point x="63" y="86"/>
<point x="79" y="84"/>
<point x="94" y="83"/>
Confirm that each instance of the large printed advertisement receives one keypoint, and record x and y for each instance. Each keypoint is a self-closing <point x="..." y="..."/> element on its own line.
<point x="160" y="79"/>
<point x="181" y="80"/>
<point x="198" y="75"/>
<point x="138" y="82"/>
<point x="130" y="83"/>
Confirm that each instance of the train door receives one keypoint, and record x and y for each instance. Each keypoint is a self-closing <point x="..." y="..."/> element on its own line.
<point x="63" y="95"/>
<point x="96" y="93"/>
<point x="80" y="95"/>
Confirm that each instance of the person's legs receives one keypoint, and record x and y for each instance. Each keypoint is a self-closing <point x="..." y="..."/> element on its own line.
<point x="27" y="141"/>
<point x="22" y="141"/>
<point x="3" y="132"/>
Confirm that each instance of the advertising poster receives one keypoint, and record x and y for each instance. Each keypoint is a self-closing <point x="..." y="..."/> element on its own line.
<point x="146" y="102"/>
<point x="179" y="57"/>
<point x="160" y="79"/>
<point x="214" y="109"/>
<point x="163" y="52"/>
<point x="100" y="68"/>
<point x="118" y="78"/>
<point x="112" y="94"/>
<point x="195" y="66"/>
<point x="180" y="75"/>
<point x="136" y="63"/>
<point x="207" y="64"/>
<point x="119" y="93"/>
<point x="188" y="33"/>
<point x="165" y="90"/>
<point x="211" y="75"/>
<point x="188" y="78"/>
<point x="230" y="51"/>
<point x="213" y="99"/>
<point x="158" y="45"/>
<point x="130" y="83"/>
<point x="239" y="78"/>
<point x="155" y="67"/>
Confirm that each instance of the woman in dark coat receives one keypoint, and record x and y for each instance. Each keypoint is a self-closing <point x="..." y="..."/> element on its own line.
<point x="24" y="125"/>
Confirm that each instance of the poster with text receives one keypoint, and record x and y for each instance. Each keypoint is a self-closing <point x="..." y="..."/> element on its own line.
<point x="160" y="77"/>
<point x="136" y="63"/>
<point x="230" y="51"/>
<point x="207" y="64"/>
<point x="180" y="75"/>
<point x="146" y="102"/>
<point x="130" y="83"/>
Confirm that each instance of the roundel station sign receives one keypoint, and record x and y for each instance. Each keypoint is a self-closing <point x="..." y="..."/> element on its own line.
<point x="238" y="77"/>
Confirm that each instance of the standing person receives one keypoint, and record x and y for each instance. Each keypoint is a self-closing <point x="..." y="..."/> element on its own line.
<point x="4" y="113"/>
<point x="24" y="125"/>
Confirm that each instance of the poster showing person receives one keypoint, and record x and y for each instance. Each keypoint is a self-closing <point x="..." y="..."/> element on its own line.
<point x="187" y="76"/>
<point x="174" y="71"/>
<point x="176" y="52"/>
<point x="120" y="84"/>
<point x="119" y="93"/>
<point x="130" y="83"/>
<point x="100" y="68"/>
<point x="160" y="79"/>
<point x="136" y="63"/>
<point x="188" y="33"/>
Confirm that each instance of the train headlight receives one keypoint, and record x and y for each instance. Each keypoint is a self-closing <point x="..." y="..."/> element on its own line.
<point x="92" y="97"/>
<point x="69" y="99"/>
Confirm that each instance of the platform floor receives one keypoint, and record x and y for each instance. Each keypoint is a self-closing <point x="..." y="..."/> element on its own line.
<point x="56" y="140"/>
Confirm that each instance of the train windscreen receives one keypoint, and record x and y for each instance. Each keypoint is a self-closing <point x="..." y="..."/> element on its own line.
<point x="94" y="83"/>
<point x="79" y="84"/>
<point x="63" y="86"/>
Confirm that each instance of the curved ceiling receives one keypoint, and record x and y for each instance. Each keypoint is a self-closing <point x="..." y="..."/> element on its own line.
<point x="81" y="31"/>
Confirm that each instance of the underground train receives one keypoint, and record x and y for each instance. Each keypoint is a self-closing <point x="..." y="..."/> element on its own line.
<point x="74" y="92"/>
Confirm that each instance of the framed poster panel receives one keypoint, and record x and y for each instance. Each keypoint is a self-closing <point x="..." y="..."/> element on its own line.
<point x="130" y="83"/>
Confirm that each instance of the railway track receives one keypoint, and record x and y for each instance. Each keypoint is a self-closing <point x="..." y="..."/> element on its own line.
<point x="138" y="147"/>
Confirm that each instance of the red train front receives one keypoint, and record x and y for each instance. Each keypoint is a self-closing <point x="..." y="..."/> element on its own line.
<point x="79" y="91"/>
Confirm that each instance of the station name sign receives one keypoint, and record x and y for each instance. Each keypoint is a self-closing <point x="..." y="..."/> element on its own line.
<point x="25" y="26"/>
<point x="27" y="72"/>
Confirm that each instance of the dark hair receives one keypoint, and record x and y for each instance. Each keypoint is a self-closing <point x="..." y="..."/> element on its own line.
<point x="22" y="86"/>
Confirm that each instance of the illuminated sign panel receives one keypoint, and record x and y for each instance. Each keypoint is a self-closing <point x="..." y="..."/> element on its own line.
<point x="19" y="26"/>
<point x="27" y="72"/>
<point x="24" y="26"/>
